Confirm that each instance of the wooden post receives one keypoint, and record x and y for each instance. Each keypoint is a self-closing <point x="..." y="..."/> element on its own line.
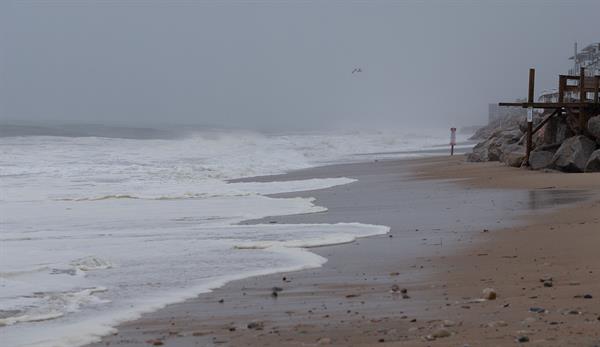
<point x="530" y="95"/>
<point x="582" y="95"/>
<point x="597" y="89"/>
<point x="530" y="99"/>
<point x="582" y="98"/>
<point x="452" y="140"/>
<point x="562" y="82"/>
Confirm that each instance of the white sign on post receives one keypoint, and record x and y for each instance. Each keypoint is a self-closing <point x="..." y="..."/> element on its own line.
<point x="530" y="114"/>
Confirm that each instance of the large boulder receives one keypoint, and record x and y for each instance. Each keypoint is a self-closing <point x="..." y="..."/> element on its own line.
<point x="479" y="153"/>
<point x="510" y="136"/>
<point x="492" y="148"/>
<point x="593" y="164"/>
<point x="573" y="154"/>
<point x="540" y="159"/>
<point x="512" y="154"/>
<point x="594" y="127"/>
<point x="488" y="150"/>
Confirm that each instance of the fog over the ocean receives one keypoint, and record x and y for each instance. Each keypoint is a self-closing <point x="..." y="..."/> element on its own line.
<point x="280" y="65"/>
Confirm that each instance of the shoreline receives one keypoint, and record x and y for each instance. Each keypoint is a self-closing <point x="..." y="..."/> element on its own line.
<point x="222" y="321"/>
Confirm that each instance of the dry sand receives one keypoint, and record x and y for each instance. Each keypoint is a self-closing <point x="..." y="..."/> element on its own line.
<point x="457" y="228"/>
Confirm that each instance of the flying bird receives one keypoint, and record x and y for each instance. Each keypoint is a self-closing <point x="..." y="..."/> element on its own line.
<point x="357" y="70"/>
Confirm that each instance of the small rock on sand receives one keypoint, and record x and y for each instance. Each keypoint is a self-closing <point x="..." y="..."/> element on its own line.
<point x="256" y="325"/>
<point x="497" y="324"/>
<point x="489" y="294"/>
<point x="522" y="339"/>
<point x="448" y="323"/>
<point x="324" y="341"/>
<point x="438" y="334"/>
<point x="528" y="321"/>
<point x="441" y="332"/>
<point x="537" y="310"/>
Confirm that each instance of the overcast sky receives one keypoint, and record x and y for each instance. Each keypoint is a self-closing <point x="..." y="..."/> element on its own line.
<point x="281" y="65"/>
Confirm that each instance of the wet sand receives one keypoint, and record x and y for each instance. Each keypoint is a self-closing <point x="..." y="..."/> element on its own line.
<point x="456" y="228"/>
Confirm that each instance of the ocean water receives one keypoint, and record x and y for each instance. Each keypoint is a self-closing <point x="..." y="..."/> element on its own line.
<point x="95" y="231"/>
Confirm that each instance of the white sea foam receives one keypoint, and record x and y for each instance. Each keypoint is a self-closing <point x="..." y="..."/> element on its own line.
<point x="96" y="231"/>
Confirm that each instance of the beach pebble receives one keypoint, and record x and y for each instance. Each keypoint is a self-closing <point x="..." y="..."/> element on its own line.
<point x="438" y="334"/>
<point x="324" y="341"/>
<point x="155" y="342"/>
<point x="588" y="296"/>
<point x="448" y="323"/>
<point x="537" y="310"/>
<point x="548" y="284"/>
<point x="528" y="321"/>
<point x="256" y="325"/>
<point x="522" y="339"/>
<point x="489" y="294"/>
<point x="497" y="324"/>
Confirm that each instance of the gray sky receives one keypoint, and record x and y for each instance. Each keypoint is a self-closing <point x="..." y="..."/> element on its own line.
<point x="281" y="65"/>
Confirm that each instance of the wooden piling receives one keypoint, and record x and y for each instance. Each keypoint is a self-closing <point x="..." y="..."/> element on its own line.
<point x="530" y="99"/>
<point x="582" y="98"/>
<point x="597" y="89"/>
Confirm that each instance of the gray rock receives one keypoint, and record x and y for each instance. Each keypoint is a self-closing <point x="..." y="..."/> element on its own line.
<point x="573" y="154"/>
<point x="511" y="136"/>
<point x="593" y="164"/>
<point x="324" y="341"/>
<point x="489" y="294"/>
<point x="441" y="332"/>
<point x="540" y="159"/>
<point x="594" y="127"/>
<point x="497" y="324"/>
<point x="257" y="325"/>
<point x="448" y="323"/>
<point x="537" y="310"/>
<point x="512" y="155"/>
<point x="492" y="148"/>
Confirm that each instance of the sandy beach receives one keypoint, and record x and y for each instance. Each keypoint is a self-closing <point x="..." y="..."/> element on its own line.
<point x="457" y="228"/>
